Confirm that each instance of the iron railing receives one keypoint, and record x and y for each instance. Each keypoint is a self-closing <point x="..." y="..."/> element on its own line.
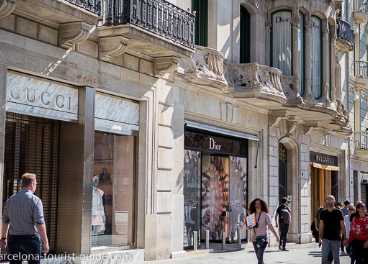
<point x="345" y="31"/>
<point x="157" y="16"/>
<point x="361" y="69"/>
<point x="89" y="5"/>
<point x="363" y="7"/>
<point x="360" y="140"/>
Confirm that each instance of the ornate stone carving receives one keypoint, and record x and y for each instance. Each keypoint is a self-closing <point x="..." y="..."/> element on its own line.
<point x="308" y="128"/>
<point x="290" y="86"/>
<point x="6" y="7"/>
<point x="206" y="67"/>
<point x="73" y="33"/>
<point x="111" y="47"/>
<point x="275" y="116"/>
<point x="163" y="65"/>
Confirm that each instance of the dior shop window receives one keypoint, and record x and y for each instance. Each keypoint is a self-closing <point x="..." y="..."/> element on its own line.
<point x="215" y="184"/>
<point x="113" y="191"/>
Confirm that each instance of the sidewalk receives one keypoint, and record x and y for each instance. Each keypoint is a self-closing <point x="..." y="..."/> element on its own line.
<point x="306" y="253"/>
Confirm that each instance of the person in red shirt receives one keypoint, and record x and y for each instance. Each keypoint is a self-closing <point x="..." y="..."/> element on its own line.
<point x="359" y="235"/>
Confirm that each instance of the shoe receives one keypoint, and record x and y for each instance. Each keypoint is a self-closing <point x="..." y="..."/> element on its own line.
<point x="284" y="249"/>
<point x="280" y="247"/>
<point x="344" y="254"/>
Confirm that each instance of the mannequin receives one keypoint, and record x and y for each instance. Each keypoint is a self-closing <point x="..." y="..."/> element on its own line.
<point x="98" y="212"/>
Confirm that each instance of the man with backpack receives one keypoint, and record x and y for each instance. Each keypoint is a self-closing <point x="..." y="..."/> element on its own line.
<point x="284" y="218"/>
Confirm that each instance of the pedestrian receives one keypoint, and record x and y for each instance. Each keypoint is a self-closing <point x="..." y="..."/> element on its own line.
<point x="356" y="214"/>
<point x="24" y="219"/>
<point x="345" y="210"/>
<point x="331" y="225"/>
<point x="349" y="249"/>
<point x="263" y="222"/>
<point x="339" y="205"/>
<point x="283" y="214"/>
<point x="359" y="235"/>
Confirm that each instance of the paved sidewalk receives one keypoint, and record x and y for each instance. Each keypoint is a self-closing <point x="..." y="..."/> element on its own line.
<point x="306" y="254"/>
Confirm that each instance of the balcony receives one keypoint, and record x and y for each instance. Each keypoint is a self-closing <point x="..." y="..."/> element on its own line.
<point x="361" y="15"/>
<point x="345" y="36"/>
<point x="205" y="68"/>
<point x="359" y="143"/>
<point x="53" y="13"/>
<point x="361" y="73"/>
<point x="153" y="28"/>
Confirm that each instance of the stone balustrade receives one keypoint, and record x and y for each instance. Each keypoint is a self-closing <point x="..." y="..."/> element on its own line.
<point x="206" y="67"/>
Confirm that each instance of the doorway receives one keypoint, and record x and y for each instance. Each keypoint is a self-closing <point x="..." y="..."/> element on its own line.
<point x="282" y="172"/>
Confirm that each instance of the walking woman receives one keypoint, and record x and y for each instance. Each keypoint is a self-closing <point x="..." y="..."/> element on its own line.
<point x="359" y="235"/>
<point x="263" y="222"/>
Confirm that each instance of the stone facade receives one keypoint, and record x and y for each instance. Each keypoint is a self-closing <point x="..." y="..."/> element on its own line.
<point x="174" y="83"/>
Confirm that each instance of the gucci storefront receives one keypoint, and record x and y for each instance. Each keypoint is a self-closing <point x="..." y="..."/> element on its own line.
<point x="81" y="144"/>
<point x="215" y="183"/>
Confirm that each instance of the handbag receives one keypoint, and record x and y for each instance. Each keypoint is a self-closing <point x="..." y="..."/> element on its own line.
<point x="261" y="241"/>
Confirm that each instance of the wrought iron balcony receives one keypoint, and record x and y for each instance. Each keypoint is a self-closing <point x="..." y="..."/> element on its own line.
<point x="359" y="143"/>
<point x="361" y="69"/>
<point x="156" y="16"/>
<point x="89" y="5"/>
<point x="345" y="34"/>
<point x="361" y="15"/>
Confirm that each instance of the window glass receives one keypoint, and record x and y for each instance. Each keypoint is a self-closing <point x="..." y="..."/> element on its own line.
<point x="282" y="42"/>
<point x="301" y="52"/>
<point x="113" y="191"/>
<point x="316" y="57"/>
<point x="351" y="111"/>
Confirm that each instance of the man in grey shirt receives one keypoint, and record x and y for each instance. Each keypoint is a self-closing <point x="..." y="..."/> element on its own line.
<point x="23" y="218"/>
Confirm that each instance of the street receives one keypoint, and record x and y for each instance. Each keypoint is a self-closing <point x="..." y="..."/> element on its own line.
<point x="306" y="253"/>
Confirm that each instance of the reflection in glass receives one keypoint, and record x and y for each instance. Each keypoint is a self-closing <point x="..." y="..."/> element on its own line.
<point x="238" y="197"/>
<point x="192" y="165"/>
<point x="215" y="183"/>
<point x="112" y="194"/>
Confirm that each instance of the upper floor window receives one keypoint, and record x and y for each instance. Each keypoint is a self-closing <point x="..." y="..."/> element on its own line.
<point x="316" y="57"/>
<point x="201" y="21"/>
<point x="301" y="52"/>
<point x="281" y="42"/>
<point x="244" y="35"/>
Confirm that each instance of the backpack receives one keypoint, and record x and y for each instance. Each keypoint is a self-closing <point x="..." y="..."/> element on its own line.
<point x="285" y="216"/>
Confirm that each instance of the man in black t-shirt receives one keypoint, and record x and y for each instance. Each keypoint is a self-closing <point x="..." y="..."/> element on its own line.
<point x="330" y="227"/>
<point x="284" y="217"/>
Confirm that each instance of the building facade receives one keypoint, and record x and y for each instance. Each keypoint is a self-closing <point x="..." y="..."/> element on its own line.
<point x="148" y="120"/>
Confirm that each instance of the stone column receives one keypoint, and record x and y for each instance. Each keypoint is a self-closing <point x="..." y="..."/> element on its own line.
<point x="325" y="61"/>
<point x="267" y="42"/>
<point x="295" y="24"/>
<point x="308" y="97"/>
<point x="333" y="63"/>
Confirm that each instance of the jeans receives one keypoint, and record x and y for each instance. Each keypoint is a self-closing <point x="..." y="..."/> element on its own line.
<point x="330" y="245"/>
<point x="284" y="230"/>
<point x="259" y="253"/>
<point x="28" y="247"/>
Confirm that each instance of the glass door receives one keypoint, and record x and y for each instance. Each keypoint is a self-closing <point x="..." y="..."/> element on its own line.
<point x="238" y="198"/>
<point x="192" y="202"/>
<point x="215" y="196"/>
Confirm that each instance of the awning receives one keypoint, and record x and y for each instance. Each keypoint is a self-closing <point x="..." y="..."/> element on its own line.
<point x="220" y="131"/>
<point x="325" y="167"/>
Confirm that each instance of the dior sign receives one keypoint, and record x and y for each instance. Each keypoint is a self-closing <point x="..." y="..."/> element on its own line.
<point x="40" y="97"/>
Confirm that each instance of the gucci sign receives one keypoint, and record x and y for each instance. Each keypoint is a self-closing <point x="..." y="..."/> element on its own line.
<point x="41" y="97"/>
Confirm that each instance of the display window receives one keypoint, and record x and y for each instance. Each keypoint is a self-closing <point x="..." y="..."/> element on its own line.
<point x="113" y="191"/>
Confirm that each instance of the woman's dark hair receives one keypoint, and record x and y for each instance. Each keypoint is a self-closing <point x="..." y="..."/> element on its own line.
<point x="252" y="206"/>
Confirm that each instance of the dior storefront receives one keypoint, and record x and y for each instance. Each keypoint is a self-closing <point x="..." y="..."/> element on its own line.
<point x="215" y="183"/>
<point x="81" y="144"/>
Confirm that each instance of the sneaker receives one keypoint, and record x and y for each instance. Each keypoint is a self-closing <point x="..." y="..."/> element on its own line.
<point x="280" y="247"/>
<point x="284" y="249"/>
<point x="343" y="253"/>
